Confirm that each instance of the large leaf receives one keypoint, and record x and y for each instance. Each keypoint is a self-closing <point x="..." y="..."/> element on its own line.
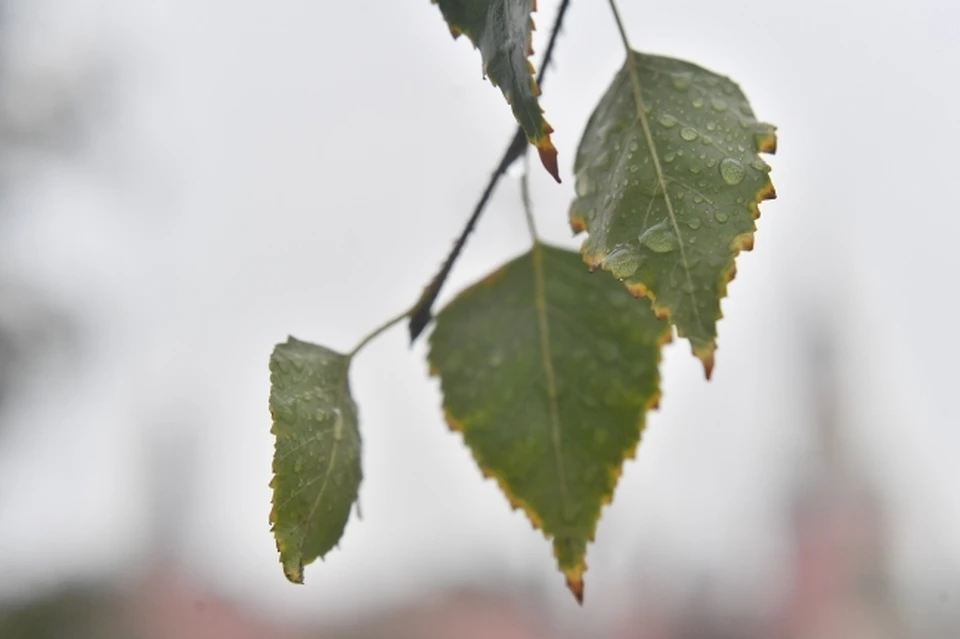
<point x="548" y="373"/>
<point x="316" y="463"/>
<point x="668" y="182"/>
<point x="502" y="30"/>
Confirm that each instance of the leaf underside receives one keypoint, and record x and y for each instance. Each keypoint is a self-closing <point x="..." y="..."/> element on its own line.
<point x="668" y="182"/>
<point x="316" y="463"/>
<point x="503" y="30"/>
<point x="548" y="372"/>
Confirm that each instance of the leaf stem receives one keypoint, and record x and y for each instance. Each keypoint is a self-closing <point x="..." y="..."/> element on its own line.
<point x="525" y="199"/>
<point x="375" y="333"/>
<point x="422" y="311"/>
<point x="623" y="32"/>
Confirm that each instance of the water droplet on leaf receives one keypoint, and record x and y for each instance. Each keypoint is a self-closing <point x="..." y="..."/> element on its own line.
<point x="721" y="217"/>
<point x="718" y="105"/>
<point x="622" y="262"/>
<point x="659" y="239"/>
<point x="668" y="120"/>
<point x="681" y="82"/>
<point x="731" y="171"/>
<point x="689" y="134"/>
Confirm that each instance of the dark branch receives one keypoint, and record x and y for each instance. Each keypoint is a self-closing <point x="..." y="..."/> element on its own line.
<point x="422" y="312"/>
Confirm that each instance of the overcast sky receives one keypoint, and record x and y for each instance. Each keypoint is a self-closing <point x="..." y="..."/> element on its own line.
<point x="301" y="168"/>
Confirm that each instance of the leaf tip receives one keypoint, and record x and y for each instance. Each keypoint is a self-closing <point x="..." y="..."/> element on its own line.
<point x="575" y="582"/>
<point x="548" y="154"/>
<point x="292" y="569"/>
<point x="705" y="354"/>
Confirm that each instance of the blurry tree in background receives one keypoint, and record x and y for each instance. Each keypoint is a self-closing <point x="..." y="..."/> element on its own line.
<point x="43" y="113"/>
<point x="44" y="116"/>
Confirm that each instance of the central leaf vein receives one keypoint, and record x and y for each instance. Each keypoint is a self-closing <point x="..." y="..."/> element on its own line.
<point x="540" y="299"/>
<point x="661" y="178"/>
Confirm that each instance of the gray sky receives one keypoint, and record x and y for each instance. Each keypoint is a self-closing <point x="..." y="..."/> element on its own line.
<point x="270" y="170"/>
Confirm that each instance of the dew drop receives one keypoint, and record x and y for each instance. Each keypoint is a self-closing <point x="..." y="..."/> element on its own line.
<point x="681" y="82"/>
<point x="669" y="157"/>
<point x="689" y="134"/>
<point x="583" y="186"/>
<point x="659" y="239"/>
<point x="718" y="105"/>
<point x="721" y="217"/>
<point x="622" y="262"/>
<point x="694" y="224"/>
<point x="697" y="103"/>
<point x="731" y="171"/>
<point x="668" y="120"/>
<point x="711" y="126"/>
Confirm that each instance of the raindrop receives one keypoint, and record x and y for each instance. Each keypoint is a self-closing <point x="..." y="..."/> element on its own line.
<point x="711" y="126"/>
<point x="681" y="82"/>
<point x="697" y="103"/>
<point x="694" y="224"/>
<point x="669" y="157"/>
<point x="622" y="262"/>
<point x="668" y="120"/>
<point x="731" y="171"/>
<point x="721" y="217"/>
<point x="688" y="134"/>
<point x="718" y="105"/>
<point x="659" y="239"/>
<point x="583" y="186"/>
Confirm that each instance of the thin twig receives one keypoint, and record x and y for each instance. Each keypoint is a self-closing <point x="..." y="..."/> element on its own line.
<point x="390" y="323"/>
<point x="422" y="312"/>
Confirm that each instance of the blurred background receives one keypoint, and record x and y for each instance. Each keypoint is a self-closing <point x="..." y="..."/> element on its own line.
<point x="184" y="183"/>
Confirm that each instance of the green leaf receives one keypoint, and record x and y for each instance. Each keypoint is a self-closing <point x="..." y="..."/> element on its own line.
<point x="502" y="30"/>
<point x="316" y="463"/>
<point x="668" y="182"/>
<point x="548" y="373"/>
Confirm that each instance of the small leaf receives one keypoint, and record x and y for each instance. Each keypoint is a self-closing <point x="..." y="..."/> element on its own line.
<point x="668" y="182"/>
<point x="548" y="373"/>
<point x="502" y="30"/>
<point x="316" y="463"/>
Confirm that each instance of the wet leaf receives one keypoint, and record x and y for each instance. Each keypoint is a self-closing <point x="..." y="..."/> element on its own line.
<point x="668" y="182"/>
<point x="316" y="463"/>
<point x="548" y="372"/>
<point x="502" y="30"/>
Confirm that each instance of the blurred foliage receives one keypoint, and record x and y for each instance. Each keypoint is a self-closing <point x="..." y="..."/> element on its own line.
<point x="76" y="613"/>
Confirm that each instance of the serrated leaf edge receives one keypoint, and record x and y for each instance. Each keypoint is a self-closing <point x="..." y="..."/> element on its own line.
<point x="573" y="575"/>
<point x="294" y="571"/>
